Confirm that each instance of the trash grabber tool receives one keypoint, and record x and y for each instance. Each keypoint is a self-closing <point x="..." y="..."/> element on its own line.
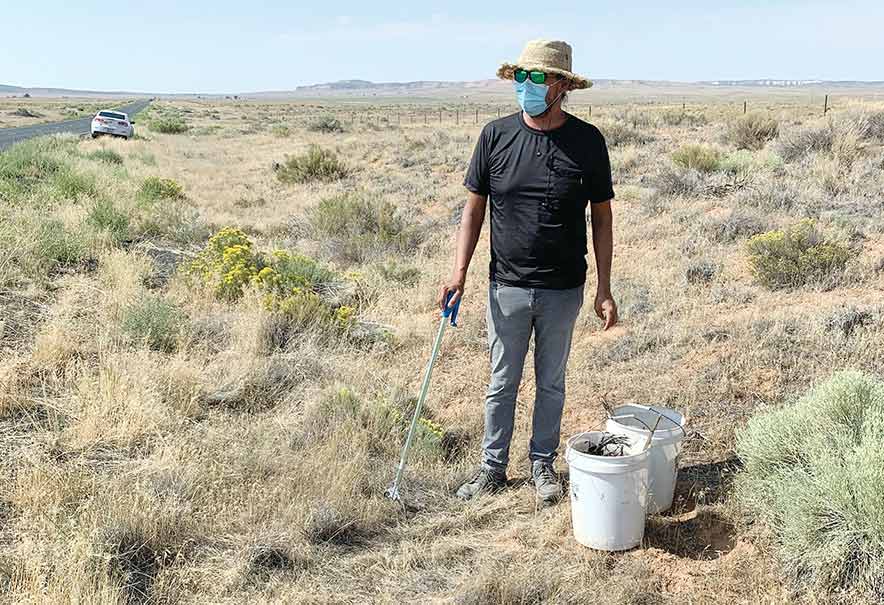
<point x="449" y="314"/>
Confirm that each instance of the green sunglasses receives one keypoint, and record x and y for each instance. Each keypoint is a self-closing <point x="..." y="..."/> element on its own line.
<point x="538" y="77"/>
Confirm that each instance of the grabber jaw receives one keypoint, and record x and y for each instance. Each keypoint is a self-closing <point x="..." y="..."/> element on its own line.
<point x="392" y="493"/>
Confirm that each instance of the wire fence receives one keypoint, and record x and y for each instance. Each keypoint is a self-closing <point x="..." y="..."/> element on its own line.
<point x="402" y="115"/>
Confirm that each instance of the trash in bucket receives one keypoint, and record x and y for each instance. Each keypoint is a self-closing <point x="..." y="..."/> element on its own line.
<point x="636" y="421"/>
<point x="606" y="445"/>
<point x="609" y="492"/>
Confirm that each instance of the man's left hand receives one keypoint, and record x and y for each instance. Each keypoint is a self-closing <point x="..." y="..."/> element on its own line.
<point x="606" y="309"/>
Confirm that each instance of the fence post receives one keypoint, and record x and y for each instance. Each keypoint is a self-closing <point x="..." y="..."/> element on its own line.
<point x="440" y="116"/>
<point x="457" y="116"/>
<point x="826" y="105"/>
<point x="744" y="106"/>
<point x="590" y="111"/>
<point x="425" y="118"/>
<point x="477" y="116"/>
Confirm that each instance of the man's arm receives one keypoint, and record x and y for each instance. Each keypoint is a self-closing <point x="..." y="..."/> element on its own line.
<point x="603" y="247"/>
<point x="467" y="237"/>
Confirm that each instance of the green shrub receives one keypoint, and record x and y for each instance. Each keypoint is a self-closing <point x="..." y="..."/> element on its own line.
<point x="23" y="112"/>
<point x="697" y="157"/>
<point x="281" y="131"/>
<point x="678" y="117"/>
<point x="153" y="321"/>
<point x="738" y="224"/>
<point x="618" y="134"/>
<point x="359" y="226"/>
<point x="168" y="125"/>
<point x="743" y="162"/>
<point x="155" y="188"/>
<point x="108" y="156"/>
<point x="104" y="216"/>
<point x="674" y="180"/>
<point x="797" y="256"/>
<point x="813" y="474"/>
<point x="752" y="131"/>
<point x="169" y="219"/>
<point x="699" y="272"/>
<point x="407" y="276"/>
<point x="316" y="165"/>
<point x="326" y="123"/>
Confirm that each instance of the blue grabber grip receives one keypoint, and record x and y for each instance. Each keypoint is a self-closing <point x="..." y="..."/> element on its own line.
<point x="451" y="311"/>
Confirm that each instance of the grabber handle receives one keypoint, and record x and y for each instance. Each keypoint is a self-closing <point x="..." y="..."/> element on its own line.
<point x="452" y="310"/>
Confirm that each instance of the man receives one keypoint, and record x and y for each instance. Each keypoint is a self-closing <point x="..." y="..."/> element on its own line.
<point x="539" y="167"/>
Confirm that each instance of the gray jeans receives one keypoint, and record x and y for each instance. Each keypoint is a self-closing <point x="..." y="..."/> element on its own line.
<point x="513" y="314"/>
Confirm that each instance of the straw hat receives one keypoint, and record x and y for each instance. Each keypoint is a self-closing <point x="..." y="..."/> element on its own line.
<point x="550" y="56"/>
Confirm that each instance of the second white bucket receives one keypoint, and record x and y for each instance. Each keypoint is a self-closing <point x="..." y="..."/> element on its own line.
<point x="609" y="495"/>
<point x="635" y="421"/>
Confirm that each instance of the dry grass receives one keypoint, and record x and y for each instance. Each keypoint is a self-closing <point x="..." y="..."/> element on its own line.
<point x="224" y="465"/>
<point x="26" y="112"/>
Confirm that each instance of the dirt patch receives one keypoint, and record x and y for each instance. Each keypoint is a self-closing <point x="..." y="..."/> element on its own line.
<point x="701" y="535"/>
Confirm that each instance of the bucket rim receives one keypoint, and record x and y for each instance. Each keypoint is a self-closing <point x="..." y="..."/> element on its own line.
<point x="676" y="418"/>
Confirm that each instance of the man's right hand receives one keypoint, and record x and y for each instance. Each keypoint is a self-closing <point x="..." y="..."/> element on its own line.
<point x="456" y="287"/>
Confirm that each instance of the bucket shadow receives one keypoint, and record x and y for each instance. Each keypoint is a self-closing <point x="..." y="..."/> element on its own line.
<point x="699" y="484"/>
<point x="700" y="535"/>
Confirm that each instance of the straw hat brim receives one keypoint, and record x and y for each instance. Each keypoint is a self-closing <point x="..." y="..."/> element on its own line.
<point x="505" y="72"/>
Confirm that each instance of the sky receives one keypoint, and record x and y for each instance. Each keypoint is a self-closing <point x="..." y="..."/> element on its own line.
<point x="220" y="46"/>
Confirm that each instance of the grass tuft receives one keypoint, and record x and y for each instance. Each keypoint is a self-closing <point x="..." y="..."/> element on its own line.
<point x="327" y="524"/>
<point x="108" y="156"/>
<point x="752" y="131"/>
<point x="697" y="157"/>
<point x="316" y="164"/>
<point x="794" y="145"/>
<point x="168" y="125"/>
<point x="104" y="216"/>
<point x="326" y="123"/>
<point x="154" y="188"/>
<point x="155" y="322"/>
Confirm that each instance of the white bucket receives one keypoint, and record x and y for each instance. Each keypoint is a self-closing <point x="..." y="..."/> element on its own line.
<point x="609" y="495"/>
<point x="635" y="421"/>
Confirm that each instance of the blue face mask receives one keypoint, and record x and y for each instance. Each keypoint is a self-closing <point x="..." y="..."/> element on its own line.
<point x="531" y="97"/>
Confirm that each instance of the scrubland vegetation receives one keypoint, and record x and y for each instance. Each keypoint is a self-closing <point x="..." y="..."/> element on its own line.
<point x="212" y="336"/>
<point x="17" y="111"/>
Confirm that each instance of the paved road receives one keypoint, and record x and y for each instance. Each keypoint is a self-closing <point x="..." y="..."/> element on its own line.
<point x="8" y="136"/>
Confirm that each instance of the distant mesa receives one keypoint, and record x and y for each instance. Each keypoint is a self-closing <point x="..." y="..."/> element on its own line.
<point x="440" y="89"/>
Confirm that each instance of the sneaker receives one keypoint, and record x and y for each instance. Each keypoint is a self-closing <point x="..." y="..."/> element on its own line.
<point x="546" y="483"/>
<point x="484" y="480"/>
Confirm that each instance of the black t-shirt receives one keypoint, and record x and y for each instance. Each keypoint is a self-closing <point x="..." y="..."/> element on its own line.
<point x="539" y="183"/>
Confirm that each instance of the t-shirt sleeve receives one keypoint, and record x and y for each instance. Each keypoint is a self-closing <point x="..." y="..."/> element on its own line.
<point x="478" y="179"/>
<point x="601" y="187"/>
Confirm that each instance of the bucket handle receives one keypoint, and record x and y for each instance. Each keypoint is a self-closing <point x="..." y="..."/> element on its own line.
<point x="659" y="414"/>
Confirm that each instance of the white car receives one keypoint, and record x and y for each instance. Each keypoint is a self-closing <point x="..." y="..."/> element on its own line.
<point x="114" y="123"/>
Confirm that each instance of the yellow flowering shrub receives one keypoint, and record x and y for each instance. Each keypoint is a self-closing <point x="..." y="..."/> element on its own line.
<point x="796" y="256"/>
<point x="289" y="282"/>
<point x="227" y="264"/>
